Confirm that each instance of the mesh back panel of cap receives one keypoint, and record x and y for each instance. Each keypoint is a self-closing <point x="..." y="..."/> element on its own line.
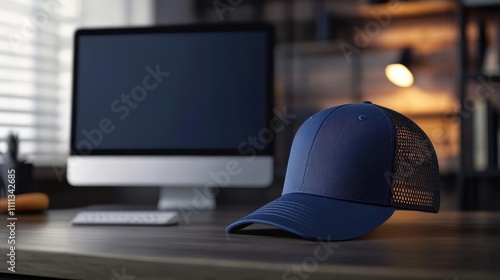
<point x="415" y="183"/>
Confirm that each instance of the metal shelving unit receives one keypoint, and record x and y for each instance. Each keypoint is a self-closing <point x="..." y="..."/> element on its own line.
<point x="469" y="180"/>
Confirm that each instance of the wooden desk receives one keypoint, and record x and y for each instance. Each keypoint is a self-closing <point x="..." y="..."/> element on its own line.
<point x="410" y="245"/>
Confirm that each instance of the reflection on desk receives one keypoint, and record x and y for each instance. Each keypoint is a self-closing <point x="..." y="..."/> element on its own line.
<point x="411" y="245"/>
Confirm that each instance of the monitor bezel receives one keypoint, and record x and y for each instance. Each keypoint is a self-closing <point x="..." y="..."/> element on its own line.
<point x="195" y="28"/>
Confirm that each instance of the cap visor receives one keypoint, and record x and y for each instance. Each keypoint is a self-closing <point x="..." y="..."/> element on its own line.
<point x="317" y="217"/>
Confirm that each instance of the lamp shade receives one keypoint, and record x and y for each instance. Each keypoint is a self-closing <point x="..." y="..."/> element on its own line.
<point x="399" y="73"/>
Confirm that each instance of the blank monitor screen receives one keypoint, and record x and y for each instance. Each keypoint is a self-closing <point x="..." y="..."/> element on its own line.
<point x="170" y="91"/>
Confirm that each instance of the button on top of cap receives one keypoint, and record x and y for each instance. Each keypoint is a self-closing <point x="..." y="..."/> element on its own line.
<point x="367" y="102"/>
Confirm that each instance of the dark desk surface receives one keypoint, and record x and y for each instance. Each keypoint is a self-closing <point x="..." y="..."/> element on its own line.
<point x="411" y="245"/>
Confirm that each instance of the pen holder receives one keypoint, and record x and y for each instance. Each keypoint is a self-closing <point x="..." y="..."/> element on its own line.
<point x="21" y="176"/>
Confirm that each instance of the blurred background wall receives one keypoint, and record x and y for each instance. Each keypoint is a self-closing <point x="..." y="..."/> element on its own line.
<point x="327" y="53"/>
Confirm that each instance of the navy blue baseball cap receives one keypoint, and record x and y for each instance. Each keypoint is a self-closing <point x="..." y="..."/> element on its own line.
<point x="350" y="168"/>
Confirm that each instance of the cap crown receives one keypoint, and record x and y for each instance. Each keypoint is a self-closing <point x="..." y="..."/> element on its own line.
<point x="364" y="153"/>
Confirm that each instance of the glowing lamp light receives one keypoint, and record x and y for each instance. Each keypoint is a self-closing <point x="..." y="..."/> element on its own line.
<point x="399" y="73"/>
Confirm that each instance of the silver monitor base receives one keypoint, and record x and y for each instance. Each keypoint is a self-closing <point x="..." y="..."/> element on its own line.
<point x="183" y="198"/>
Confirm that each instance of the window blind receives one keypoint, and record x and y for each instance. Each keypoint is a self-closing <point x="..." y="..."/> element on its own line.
<point x="36" y="55"/>
<point x="36" y="40"/>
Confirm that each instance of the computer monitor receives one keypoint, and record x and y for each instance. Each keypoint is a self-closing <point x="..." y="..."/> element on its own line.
<point x="185" y="108"/>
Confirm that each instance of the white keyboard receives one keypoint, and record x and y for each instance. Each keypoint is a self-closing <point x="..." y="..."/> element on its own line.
<point x="153" y="218"/>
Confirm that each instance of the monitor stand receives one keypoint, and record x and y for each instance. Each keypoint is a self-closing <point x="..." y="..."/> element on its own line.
<point x="186" y="198"/>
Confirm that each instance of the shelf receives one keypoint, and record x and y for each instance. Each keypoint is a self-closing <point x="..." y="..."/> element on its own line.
<point x="406" y="9"/>
<point x="311" y="47"/>
<point x="435" y="115"/>
<point x="484" y="174"/>
<point x="488" y="77"/>
<point x="470" y="10"/>
<point x="481" y="3"/>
